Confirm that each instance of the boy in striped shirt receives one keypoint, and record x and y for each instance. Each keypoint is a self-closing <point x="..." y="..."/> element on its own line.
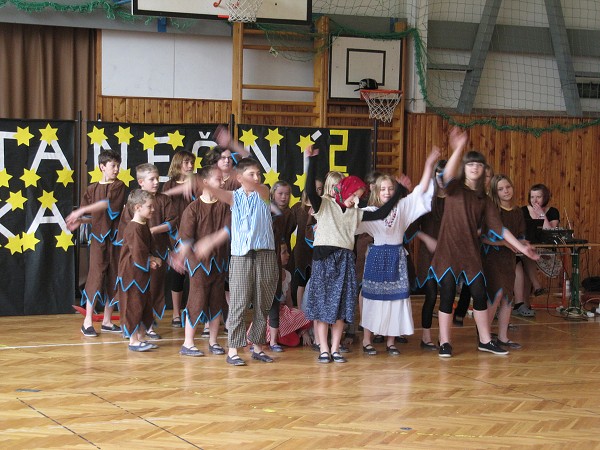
<point x="253" y="270"/>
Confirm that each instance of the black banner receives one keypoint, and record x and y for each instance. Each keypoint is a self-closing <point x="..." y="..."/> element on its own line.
<point x="279" y="149"/>
<point x="36" y="191"/>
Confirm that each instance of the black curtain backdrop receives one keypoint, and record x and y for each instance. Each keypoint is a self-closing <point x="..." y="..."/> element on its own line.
<point x="36" y="191"/>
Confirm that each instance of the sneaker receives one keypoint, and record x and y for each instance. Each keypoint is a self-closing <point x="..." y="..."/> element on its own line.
<point x="111" y="329"/>
<point x="492" y="347"/>
<point x="89" y="331"/>
<point x="523" y="311"/>
<point x="445" y="350"/>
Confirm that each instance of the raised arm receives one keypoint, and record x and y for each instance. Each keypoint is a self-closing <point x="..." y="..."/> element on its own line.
<point x="458" y="140"/>
<point x="311" y="175"/>
<point x="73" y="220"/>
<point x="223" y="138"/>
<point x="221" y="194"/>
<point x="428" y="169"/>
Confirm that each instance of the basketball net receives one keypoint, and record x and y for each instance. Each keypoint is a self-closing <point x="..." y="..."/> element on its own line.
<point x="382" y="103"/>
<point x="243" y="10"/>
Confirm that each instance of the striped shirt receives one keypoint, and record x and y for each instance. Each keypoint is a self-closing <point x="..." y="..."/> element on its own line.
<point x="251" y="224"/>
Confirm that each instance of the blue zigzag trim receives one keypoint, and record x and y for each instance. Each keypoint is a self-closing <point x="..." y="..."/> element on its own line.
<point x="143" y="268"/>
<point x="494" y="237"/>
<point x="432" y="275"/>
<point x="127" y="333"/>
<point x="112" y="214"/>
<point x="100" y="238"/>
<point x="133" y="283"/>
<point x="159" y="316"/>
<point x="213" y="263"/>
<point x="85" y="298"/>
<point x="161" y="256"/>
<point x="202" y="317"/>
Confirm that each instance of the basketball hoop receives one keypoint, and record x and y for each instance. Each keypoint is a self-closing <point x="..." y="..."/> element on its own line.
<point x="382" y="103"/>
<point x="243" y="10"/>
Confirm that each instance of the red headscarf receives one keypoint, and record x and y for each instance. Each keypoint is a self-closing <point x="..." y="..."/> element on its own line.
<point x="347" y="187"/>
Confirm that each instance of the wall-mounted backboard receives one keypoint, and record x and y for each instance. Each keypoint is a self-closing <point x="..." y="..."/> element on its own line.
<point x="282" y="11"/>
<point x="353" y="59"/>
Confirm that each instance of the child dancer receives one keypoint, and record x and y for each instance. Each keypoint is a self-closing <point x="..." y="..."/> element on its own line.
<point x="135" y="263"/>
<point x="386" y="303"/>
<point x="331" y="296"/>
<point x="180" y="170"/>
<point x="293" y="324"/>
<point x="427" y="228"/>
<point x="457" y="255"/>
<point x="499" y="261"/>
<point x="253" y="265"/>
<point x="104" y="201"/>
<point x="206" y="302"/>
<point x="162" y="222"/>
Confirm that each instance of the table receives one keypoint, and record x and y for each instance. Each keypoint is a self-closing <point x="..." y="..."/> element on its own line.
<point x="574" y="309"/>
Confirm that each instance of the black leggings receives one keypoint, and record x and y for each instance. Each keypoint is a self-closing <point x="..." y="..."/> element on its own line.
<point x="448" y="292"/>
<point x="431" y="290"/>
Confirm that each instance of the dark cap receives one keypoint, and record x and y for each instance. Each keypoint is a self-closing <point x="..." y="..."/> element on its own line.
<point x="367" y="83"/>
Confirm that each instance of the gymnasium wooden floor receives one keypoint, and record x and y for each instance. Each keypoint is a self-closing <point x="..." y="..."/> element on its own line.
<point x="61" y="390"/>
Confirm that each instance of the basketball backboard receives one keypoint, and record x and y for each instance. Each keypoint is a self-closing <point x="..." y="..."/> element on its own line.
<point x="283" y="11"/>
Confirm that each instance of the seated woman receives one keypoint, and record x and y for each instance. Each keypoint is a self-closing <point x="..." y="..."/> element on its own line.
<point x="539" y="214"/>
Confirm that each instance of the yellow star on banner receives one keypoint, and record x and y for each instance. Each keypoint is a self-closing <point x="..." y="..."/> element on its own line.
<point x="271" y="177"/>
<point x="124" y="135"/>
<point x="49" y="134"/>
<point x="148" y="141"/>
<point x="300" y="181"/>
<point x="248" y="137"/>
<point x="274" y="137"/>
<point x="293" y="240"/>
<point x="95" y="175"/>
<point x="14" y="245"/>
<point x="16" y="200"/>
<point x="30" y="177"/>
<point x="29" y="241"/>
<point x="4" y="178"/>
<point x="64" y="240"/>
<point x="175" y="139"/>
<point x="197" y="164"/>
<point x="294" y="200"/>
<point x="65" y="176"/>
<point x="23" y="136"/>
<point x="125" y="176"/>
<point x="47" y="199"/>
<point x="97" y="136"/>
<point x="305" y="142"/>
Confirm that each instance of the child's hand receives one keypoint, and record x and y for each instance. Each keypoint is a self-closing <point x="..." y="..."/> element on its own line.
<point x="73" y="220"/>
<point x="306" y="340"/>
<point x="202" y="248"/>
<point x="458" y="139"/>
<point x="222" y="136"/>
<point x="433" y="156"/>
<point x="155" y="262"/>
<point x="530" y="252"/>
<point x="405" y="181"/>
<point x="177" y="262"/>
<point x="311" y="151"/>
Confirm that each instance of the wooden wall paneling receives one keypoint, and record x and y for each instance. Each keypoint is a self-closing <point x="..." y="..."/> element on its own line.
<point x="119" y="110"/>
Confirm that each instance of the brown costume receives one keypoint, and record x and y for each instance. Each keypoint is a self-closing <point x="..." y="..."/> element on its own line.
<point x="104" y="255"/>
<point x="133" y="282"/>
<point x="207" y="276"/>
<point x="499" y="261"/>
<point x="302" y="251"/>
<point x="164" y="213"/>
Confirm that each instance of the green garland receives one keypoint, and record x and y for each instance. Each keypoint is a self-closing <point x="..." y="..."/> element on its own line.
<point x="276" y="35"/>
<point x="113" y="11"/>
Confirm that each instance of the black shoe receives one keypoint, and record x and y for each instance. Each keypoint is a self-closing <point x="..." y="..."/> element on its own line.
<point x="428" y="346"/>
<point x="89" y="331"/>
<point x="540" y="291"/>
<point x="458" y="321"/>
<point x="369" y="350"/>
<point x="378" y="339"/>
<point x="324" y="358"/>
<point x="344" y="349"/>
<point x="338" y="358"/>
<point x="492" y="347"/>
<point x="111" y="329"/>
<point x="262" y="356"/>
<point x="401" y="340"/>
<point x="445" y="350"/>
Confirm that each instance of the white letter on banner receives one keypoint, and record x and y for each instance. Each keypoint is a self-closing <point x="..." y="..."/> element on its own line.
<point x="263" y="161"/>
<point x="56" y="217"/>
<point x="203" y="142"/>
<point x="4" y="135"/>
<point x="57" y="154"/>
<point x="3" y="230"/>
<point x="153" y="158"/>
